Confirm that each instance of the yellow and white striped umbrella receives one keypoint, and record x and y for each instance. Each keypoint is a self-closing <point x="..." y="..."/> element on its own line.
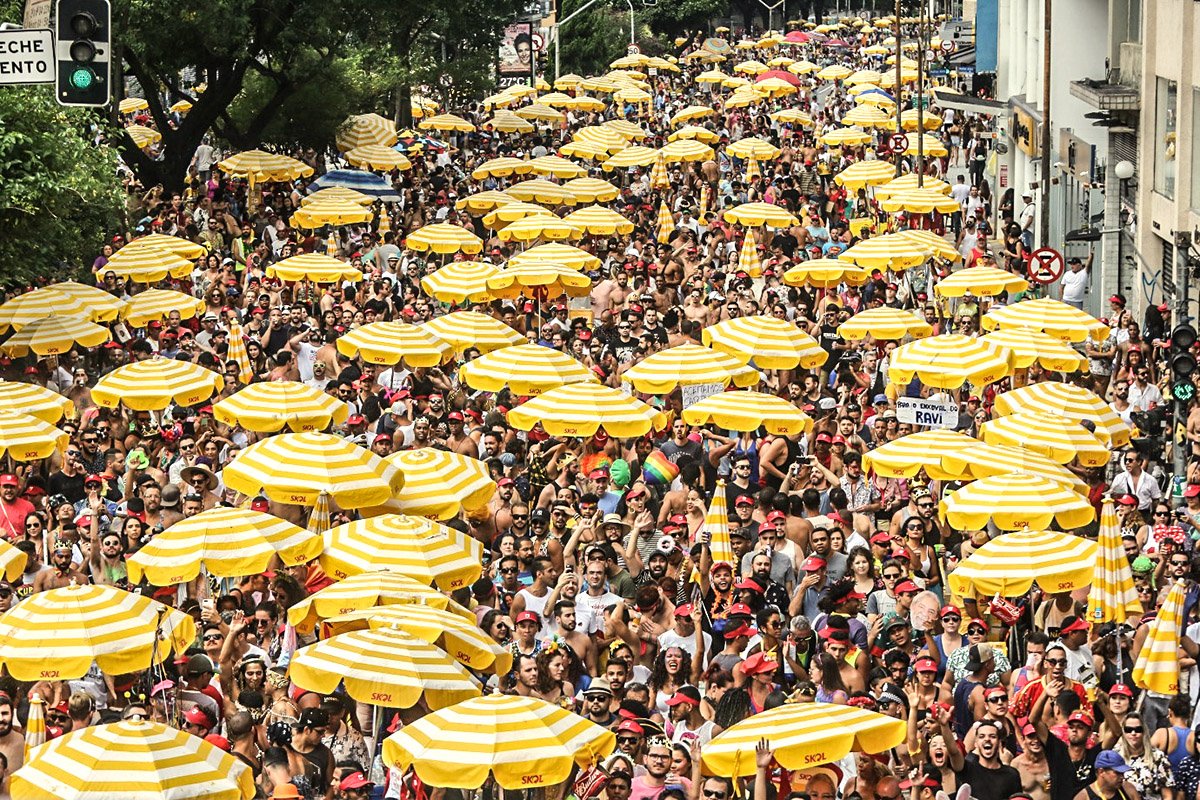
<point x="157" y="304"/>
<point x="337" y="193"/>
<point x="313" y="267"/>
<point x="1066" y="400"/>
<point x="131" y="104"/>
<point x="1026" y="346"/>
<point x="482" y="202"/>
<point x="688" y="364"/>
<point x="102" y="306"/>
<point x="157" y="383"/>
<point x="695" y="132"/>
<point x="938" y="246"/>
<point x="556" y="166"/>
<point x="521" y="741"/>
<point x="863" y="76"/>
<point x="599" y="221"/>
<point x="1011" y="563"/>
<point x="980" y="281"/>
<point x="501" y="168"/>
<point x="890" y="251"/>
<point x="1157" y="665"/>
<point x="554" y="280"/>
<point x="269" y="406"/>
<point x="752" y="170"/>
<point x="933" y="146"/>
<point x="367" y="590"/>
<point x="36" y="401"/>
<point x="748" y="260"/>
<point x="908" y="182"/>
<point x="716" y="524"/>
<point x="259" y="166"/>
<point x="1113" y="597"/>
<point x="592" y="190"/>
<point x="835" y="72"/>
<point x="466" y="329"/>
<point x="331" y="212"/>
<point x="682" y="150"/>
<point x="606" y="138"/>
<point x="910" y="122"/>
<point x="443" y="238"/>
<point x="1046" y="314"/>
<point x="538" y="190"/>
<point x="508" y="122"/>
<point x="390" y="343"/>
<point x="793" y="116"/>
<point x="526" y="369"/>
<point x="748" y="411"/>
<point x="514" y="212"/>
<point x="422" y="106"/>
<point x="666" y="222"/>
<point x="366" y="129"/>
<point x="580" y="409"/>
<point x="943" y="454"/>
<point x="586" y="102"/>
<point x="438" y="484"/>
<point x="446" y="122"/>
<point x="383" y="667"/>
<point x="636" y="156"/>
<point x="172" y="244"/>
<point x="861" y="174"/>
<point x="12" y="561"/>
<point x="35" y="723"/>
<point x="50" y="336"/>
<point x="992" y="460"/>
<point x="775" y="87"/>
<point x="690" y="113"/>
<point x="753" y="147"/>
<point x="825" y="273"/>
<point x="374" y="156"/>
<point x="846" y="137"/>
<point x="134" y="759"/>
<point x="1060" y="440"/>
<point x="459" y="637"/>
<point x="556" y="253"/>
<point x="948" y="361"/>
<point x="919" y="201"/>
<point x="1015" y="501"/>
<point x="626" y="128"/>
<point x="227" y="542"/>
<point x="659" y="177"/>
<point x="295" y="468"/>
<point x="756" y="214"/>
<point x="801" y="735"/>
<point x="533" y="228"/>
<point x="460" y="282"/>
<point x="40" y="303"/>
<point x="57" y="634"/>
<point x="423" y="550"/>
<point x="237" y="352"/>
<point x="771" y="343"/>
<point x="867" y="116"/>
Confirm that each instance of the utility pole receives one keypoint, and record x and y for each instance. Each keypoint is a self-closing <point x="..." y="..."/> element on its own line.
<point x="1045" y="209"/>
<point x="921" y="97"/>
<point x="1180" y="341"/>
<point x="899" y="105"/>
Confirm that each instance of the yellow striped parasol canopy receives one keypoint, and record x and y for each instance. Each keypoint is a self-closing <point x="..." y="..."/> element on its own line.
<point x="980" y="281"/>
<point x="467" y="329"/>
<point x="443" y="238"/>
<point x="943" y="454"/>
<point x="835" y="72"/>
<point x="24" y="437"/>
<point x="520" y="741"/>
<point x="501" y="168"/>
<point x="1066" y="400"/>
<point x="606" y="138"/>
<point x="172" y="244"/>
<point x="36" y="401"/>
<point x="689" y="364"/>
<point x="1015" y="501"/>
<point x="802" y="735"/>
<point x="1157" y="665"/>
<point x="1011" y="563"/>
<point x="131" y="104"/>
<point x="884" y="323"/>
<point x="682" y="150"/>
<point x="367" y="590"/>
<point x="666" y="223"/>
<point x="592" y="190"/>
<point x="103" y="306"/>
<point x="460" y="282"/>
<point x="336" y="193"/>
<point x="446" y="122"/>
<point x="438" y="484"/>
<point x="1052" y="316"/>
<point x="134" y="758"/>
<point x="145" y="263"/>
<point x="386" y="667"/>
<point x="890" y="251"/>
<point x="57" y="634"/>
<point x="514" y="212"/>
<point x="756" y="214"/>
<point x="825" y="273"/>
<point x="482" y="202"/>
<point x="40" y="303"/>
<point x="769" y="342"/>
<point x="508" y="122"/>
<point x="154" y="384"/>
<point x="540" y="226"/>
<point x="794" y="116"/>
<point x="626" y="128"/>
<point x="932" y="145"/>
<point x="366" y="129"/>
<point x="948" y="361"/>
<point x="423" y="550"/>
<point x="556" y="166"/>
<point x="716" y="525"/>
<point x="635" y="156"/>
<point x="331" y="212"/>
<point x="580" y="409"/>
<point x="543" y="191"/>
<point x="389" y="343"/>
<point x="314" y="267"/>
<point x="864" y="76"/>
<point x="12" y="562"/>
<point x="868" y="116"/>
<point x="753" y="147"/>
<point x="748" y="411"/>
<point x="296" y="468"/>
<point x="262" y="167"/>
<point x="552" y="279"/>
<point x="695" y="132"/>
<point x="906" y="183"/>
<point x="690" y="113"/>
<point x="751" y="67"/>
<point x="379" y="157"/>
<point x="227" y="542"/>
<point x="842" y="137"/>
<point x="910" y="122"/>
<point x="1058" y="439"/>
<point x="748" y="260"/>
<point x="991" y="460"/>
<point x="599" y="221"/>
<point x="919" y="201"/>
<point x="1113" y="597"/>
<point x="459" y="637"/>
<point x="51" y="336"/>
<point x="527" y="369"/>
<point x="865" y="173"/>
<point x="157" y="304"/>
<point x="270" y="406"/>
<point x="1027" y="346"/>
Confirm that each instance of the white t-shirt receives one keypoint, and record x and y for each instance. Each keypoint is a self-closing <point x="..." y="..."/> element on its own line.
<point x="1074" y="285"/>
<point x="589" y="611"/>
<point x="685" y="643"/>
<point x="306" y="356"/>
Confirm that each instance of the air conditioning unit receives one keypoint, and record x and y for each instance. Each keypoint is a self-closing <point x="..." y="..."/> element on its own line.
<point x="1131" y="64"/>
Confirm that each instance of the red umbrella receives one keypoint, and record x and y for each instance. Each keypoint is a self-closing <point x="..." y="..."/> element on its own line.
<point x="796" y="37"/>
<point x="837" y="43"/>
<point x="782" y="75"/>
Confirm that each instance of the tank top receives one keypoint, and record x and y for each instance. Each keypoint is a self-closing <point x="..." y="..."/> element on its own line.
<point x="963" y="718"/>
<point x="1180" y="751"/>
<point x="751" y="453"/>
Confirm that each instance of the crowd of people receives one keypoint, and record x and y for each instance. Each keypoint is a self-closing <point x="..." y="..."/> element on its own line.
<point x="598" y="571"/>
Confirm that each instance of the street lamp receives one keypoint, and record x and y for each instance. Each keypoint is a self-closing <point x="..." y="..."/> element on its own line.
<point x="1123" y="170"/>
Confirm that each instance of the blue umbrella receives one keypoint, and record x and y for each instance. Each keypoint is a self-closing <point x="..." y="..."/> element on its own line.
<point x="879" y="92"/>
<point x="359" y="180"/>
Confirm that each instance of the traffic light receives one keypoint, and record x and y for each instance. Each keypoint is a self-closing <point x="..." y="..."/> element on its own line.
<point x="1183" y="363"/>
<point x="83" y="52"/>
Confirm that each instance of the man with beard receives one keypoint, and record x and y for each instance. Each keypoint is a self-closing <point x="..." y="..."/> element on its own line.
<point x="1073" y="763"/>
<point x="565" y="624"/>
<point x="716" y="583"/>
<point x="835" y="562"/>
<point x="12" y="741"/>
<point x="61" y="572"/>
<point x="1032" y="764"/>
<point x="656" y="565"/>
<point x="773" y="592"/>
<point x="687" y="724"/>
<point x="990" y="779"/>
<point x="597" y="702"/>
<point x="657" y="761"/>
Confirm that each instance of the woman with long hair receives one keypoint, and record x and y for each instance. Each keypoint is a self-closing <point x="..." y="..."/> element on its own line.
<point x="862" y="569"/>
<point x="1149" y="770"/>
<point x="552" y="685"/>
<point x="672" y="669"/>
<point x="827" y="677"/>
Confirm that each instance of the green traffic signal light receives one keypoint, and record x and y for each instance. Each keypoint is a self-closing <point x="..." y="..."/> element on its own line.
<point x="1183" y="390"/>
<point x="82" y="78"/>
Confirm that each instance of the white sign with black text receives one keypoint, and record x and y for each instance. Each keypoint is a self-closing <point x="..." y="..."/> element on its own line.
<point x="26" y="56"/>
<point x="927" y="413"/>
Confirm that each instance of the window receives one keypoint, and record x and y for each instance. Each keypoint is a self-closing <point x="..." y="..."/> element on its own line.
<point x="1166" y="104"/>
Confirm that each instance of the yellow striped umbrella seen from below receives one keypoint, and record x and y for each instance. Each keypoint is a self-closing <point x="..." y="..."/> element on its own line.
<point x="948" y="361"/>
<point x="1027" y="346"/>
<point x="157" y="383"/>
<point x="1011" y="563"/>
<point x="527" y="369"/>
<point x="459" y="637"/>
<point x="389" y="343"/>
<point x="270" y="406"/>
<point x="368" y="590"/>
<point x="423" y="550"/>
<point x="227" y="542"/>
<point x="50" y="336"/>
<point x="1066" y="400"/>
<point x="1157" y="665"/>
<point x="313" y="267"/>
<point x="296" y="468"/>
<point x="943" y="454"/>
<point x="24" y="437"/>
<point x="1016" y="501"/>
<point x="689" y="364"/>
<point x="261" y="167"/>
<point x="1052" y="316"/>
<point x="460" y="282"/>
<point x="438" y="484"/>
<point x="57" y="634"/>
<point x="557" y="253"/>
<point x="1113" y="597"/>
<point x="467" y="329"/>
<point x="157" y="304"/>
<point x="331" y="212"/>
<point x="580" y="409"/>
<point x="768" y="342"/>
<point x="825" y="273"/>
<point x="132" y="759"/>
<point x="519" y="741"/>
<point x="378" y="157"/>
<point x="884" y="323"/>
<point x="1058" y="439"/>
<point x="36" y="401"/>
<point x="443" y="238"/>
<point x="366" y="129"/>
<point x="980" y="281"/>
<point x="748" y="411"/>
<point x="553" y="280"/>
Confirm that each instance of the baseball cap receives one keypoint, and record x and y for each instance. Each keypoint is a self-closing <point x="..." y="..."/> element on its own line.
<point x="686" y="694"/>
<point x="684" y="610"/>
<point x="925" y="664"/>
<point x="1191" y="490"/>
<point x="881" y="538"/>
<point x="1081" y="717"/>
<point x="630" y="726"/>
<point x="813" y="563"/>
<point x="313" y="718"/>
<point x="948" y="610"/>
<point x="744" y="500"/>
<point x="200" y="664"/>
<point x="906" y="586"/>
<point x="527" y="616"/>
<point x="1121" y="689"/>
<point x="748" y="583"/>
<point x="9" y="480"/>
<point x="1072" y="624"/>
<point x="355" y="780"/>
<point x="741" y="630"/>
<point x="759" y="663"/>
<point x="776" y="515"/>
<point x="1110" y="759"/>
<point x="879" y="398"/>
<point x="198" y="716"/>
<point x="740" y="610"/>
<point x="1125" y="499"/>
<point x="977" y="656"/>
<point x="218" y="741"/>
<point x="505" y="482"/>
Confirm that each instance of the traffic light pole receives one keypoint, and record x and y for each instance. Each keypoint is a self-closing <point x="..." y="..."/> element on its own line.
<point x="1179" y="442"/>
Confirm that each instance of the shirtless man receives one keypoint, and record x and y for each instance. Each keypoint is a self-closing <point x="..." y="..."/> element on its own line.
<point x="1032" y="764"/>
<point x="565" y="626"/>
<point x="60" y="572"/>
<point x="694" y="308"/>
<point x="12" y="741"/>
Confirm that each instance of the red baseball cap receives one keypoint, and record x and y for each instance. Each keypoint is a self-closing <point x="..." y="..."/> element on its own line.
<point x="925" y="664"/>
<point x="455" y="416"/>
<point x="744" y="500"/>
<point x="1127" y="500"/>
<point x="947" y="610"/>
<point x="776" y="515"/>
<point x="505" y="482"/>
<point x="813" y="563"/>
<point x="1191" y="490"/>
<point x="684" y="610"/>
<point x="198" y="716"/>
<point x="1078" y="624"/>
<point x="741" y="630"/>
<point x="355" y="780"/>
<point x="1082" y="717"/>
<point x="527" y="616"/>
<point x="629" y="726"/>
<point x="9" y="480"/>
<point x="883" y="538"/>
<point x="218" y="741"/>
<point x="740" y="610"/>
<point x="1121" y="689"/>
<point x="906" y="586"/>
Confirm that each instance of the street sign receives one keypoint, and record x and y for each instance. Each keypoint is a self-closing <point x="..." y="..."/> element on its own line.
<point x="632" y="50"/>
<point x="539" y="41"/>
<point x="927" y="412"/>
<point x="26" y="56"/>
<point x="898" y="142"/>
<point x="938" y="72"/>
<point x="948" y="46"/>
<point x="37" y="14"/>
<point x="1046" y="265"/>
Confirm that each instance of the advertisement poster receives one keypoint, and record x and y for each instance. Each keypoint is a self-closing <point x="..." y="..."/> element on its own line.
<point x="516" y="51"/>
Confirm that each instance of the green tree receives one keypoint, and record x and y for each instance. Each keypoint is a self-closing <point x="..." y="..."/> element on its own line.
<point x="59" y="191"/>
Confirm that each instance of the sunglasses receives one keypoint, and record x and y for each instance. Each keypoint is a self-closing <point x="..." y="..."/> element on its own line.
<point x="1129" y="729"/>
<point x="998" y="699"/>
<point x="709" y="793"/>
<point x="951" y="618"/>
<point x="976" y="632"/>
<point x="1056" y="662"/>
<point x="627" y="740"/>
<point x="520" y="516"/>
